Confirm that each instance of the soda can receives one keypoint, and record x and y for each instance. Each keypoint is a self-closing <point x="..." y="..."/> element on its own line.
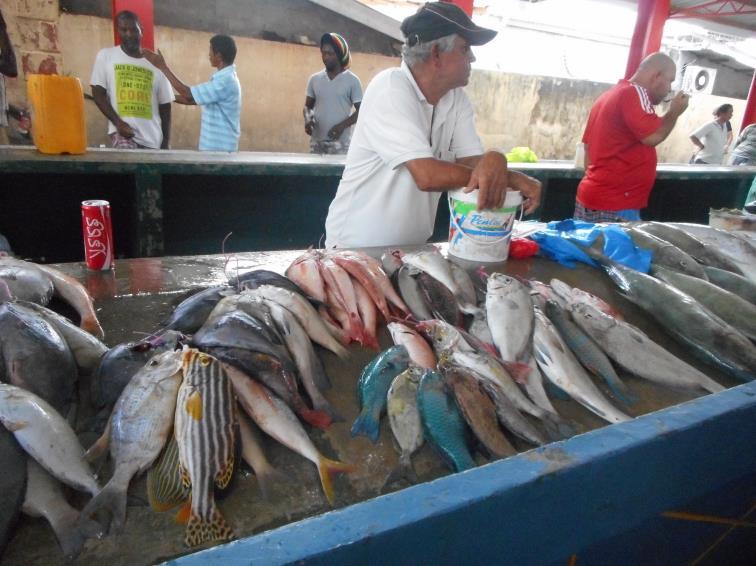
<point x="97" y="230"/>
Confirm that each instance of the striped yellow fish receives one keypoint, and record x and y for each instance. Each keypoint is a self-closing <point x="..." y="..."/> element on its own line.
<point x="165" y="489"/>
<point x="204" y="430"/>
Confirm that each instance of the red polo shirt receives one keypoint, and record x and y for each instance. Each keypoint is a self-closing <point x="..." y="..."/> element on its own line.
<point x="622" y="170"/>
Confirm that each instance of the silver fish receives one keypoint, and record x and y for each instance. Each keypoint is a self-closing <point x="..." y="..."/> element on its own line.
<point x="404" y="419"/>
<point x="139" y="427"/>
<point x="44" y="498"/>
<point x="46" y="437"/>
<point x="560" y="366"/>
<point x="436" y="265"/>
<point x="637" y="353"/>
<point x="509" y="310"/>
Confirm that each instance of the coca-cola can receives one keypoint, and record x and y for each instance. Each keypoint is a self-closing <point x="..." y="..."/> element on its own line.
<point x="97" y="230"/>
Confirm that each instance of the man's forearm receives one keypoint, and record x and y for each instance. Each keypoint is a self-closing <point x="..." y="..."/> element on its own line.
<point x="103" y="103"/>
<point x="696" y="142"/>
<point x="181" y="88"/>
<point x="165" y="125"/>
<point x="433" y="175"/>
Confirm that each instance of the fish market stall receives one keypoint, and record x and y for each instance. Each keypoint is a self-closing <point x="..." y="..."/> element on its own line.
<point x="668" y="483"/>
<point x="269" y="201"/>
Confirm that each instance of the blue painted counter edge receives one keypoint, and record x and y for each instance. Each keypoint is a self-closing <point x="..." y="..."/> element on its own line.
<point x="537" y="507"/>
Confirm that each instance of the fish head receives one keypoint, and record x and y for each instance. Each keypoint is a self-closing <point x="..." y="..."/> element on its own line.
<point x="553" y="309"/>
<point x="442" y="335"/>
<point x="197" y="366"/>
<point x="399" y="331"/>
<point x="501" y="284"/>
<point x="164" y="366"/>
<point x="588" y="315"/>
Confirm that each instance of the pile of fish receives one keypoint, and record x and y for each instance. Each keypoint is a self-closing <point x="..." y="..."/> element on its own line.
<point x="474" y="367"/>
<point x="42" y="357"/>
<point x="352" y="287"/>
<point x="466" y="366"/>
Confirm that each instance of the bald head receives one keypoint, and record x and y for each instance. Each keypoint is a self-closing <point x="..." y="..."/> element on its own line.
<point x="656" y="73"/>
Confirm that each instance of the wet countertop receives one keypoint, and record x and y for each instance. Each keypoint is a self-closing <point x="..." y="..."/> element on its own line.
<point x="138" y="294"/>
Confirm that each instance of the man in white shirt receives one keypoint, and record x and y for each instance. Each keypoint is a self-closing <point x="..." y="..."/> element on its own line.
<point x="416" y="137"/>
<point x="711" y="138"/>
<point x="133" y="94"/>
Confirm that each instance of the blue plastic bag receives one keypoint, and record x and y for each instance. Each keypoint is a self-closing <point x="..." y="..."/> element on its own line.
<point x="561" y="241"/>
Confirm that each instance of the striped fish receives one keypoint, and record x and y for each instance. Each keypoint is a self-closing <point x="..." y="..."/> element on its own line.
<point x="204" y="429"/>
<point x="165" y="489"/>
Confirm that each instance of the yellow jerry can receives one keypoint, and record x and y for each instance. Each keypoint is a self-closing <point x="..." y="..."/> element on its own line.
<point x="58" y="124"/>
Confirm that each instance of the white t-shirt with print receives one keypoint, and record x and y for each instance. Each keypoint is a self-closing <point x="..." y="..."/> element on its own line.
<point x="135" y="88"/>
<point x="378" y="202"/>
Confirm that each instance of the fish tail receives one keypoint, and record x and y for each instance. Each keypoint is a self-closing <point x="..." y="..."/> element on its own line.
<point x="556" y="427"/>
<point x="199" y="531"/>
<point x="366" y="425"/>
<point x="322" y="405"/>
<point x="403" y="470"/>
<point x="73" y="530"/>
<point x="266" y="479"/>
<point x="326" y="469"/>
<point x="112" y="500"/>
<point x="316" y="418"/>
<point x="619" y="389"/>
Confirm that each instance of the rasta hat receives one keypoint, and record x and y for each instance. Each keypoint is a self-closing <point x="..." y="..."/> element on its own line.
<point x="438" y="19"/>
<point x="339" y="45"/>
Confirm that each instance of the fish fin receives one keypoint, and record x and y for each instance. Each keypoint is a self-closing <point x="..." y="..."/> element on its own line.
<point x="72" y="535"/>
<point x="199" y="531"/>
<point x="182" y="517"/>
<point x="100" y="446"/>
<point x="366" y="425"/>
<point x="92" y="325"/>
<point x="518" y="371"/>
<point x="223" y="477"/>
<point x="194" y="406"/>
<point x="320" y="419"/>
<point x="326" y="469"/>
<point x="403" y="471"/>
<point x="112" y="500"/>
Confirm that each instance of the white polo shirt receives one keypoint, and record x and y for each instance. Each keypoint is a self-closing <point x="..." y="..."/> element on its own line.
<point x="377" y="202"/>
<point x="713" y="136"/>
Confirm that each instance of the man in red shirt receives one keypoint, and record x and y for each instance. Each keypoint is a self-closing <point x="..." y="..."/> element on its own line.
<point x="621" y="138"/>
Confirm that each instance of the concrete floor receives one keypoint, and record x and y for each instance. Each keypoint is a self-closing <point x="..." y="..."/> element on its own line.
<point x="140" y="293"/>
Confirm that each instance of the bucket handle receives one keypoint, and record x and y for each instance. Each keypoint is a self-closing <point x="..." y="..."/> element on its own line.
<point x="492" y="242"/>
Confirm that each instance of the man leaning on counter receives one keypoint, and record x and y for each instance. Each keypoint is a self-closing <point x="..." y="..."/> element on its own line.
<point x="416" y="137"/>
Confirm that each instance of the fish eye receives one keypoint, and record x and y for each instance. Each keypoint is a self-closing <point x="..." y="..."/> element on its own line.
<point x="204" y="360"/>
<point x="153" y="363"/>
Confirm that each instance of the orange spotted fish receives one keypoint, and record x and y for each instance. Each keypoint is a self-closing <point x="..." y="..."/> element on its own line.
<point x="204" y="429"/>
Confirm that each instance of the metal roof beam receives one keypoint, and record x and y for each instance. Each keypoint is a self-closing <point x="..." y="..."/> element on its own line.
<point x="714" y="9"/>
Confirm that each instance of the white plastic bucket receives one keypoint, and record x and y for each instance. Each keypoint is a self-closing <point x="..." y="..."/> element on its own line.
<point x="483" y="235"/>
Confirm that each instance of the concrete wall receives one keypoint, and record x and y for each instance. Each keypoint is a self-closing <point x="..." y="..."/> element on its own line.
<point x="546" y="114"/>
<point x="273" y="76"/>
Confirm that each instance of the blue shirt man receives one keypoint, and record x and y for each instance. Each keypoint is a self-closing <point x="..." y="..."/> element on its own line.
<point x="220" y="97"/>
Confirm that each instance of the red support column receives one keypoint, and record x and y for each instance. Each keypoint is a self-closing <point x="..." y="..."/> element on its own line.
<point x="649" y="25"/>
<point x="749" y="116"/>
<point x="466" y="5"/>
<point x="143" y="9"/>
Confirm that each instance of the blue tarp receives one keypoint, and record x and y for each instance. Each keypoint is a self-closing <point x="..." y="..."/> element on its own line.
<point x="563" y="240"/>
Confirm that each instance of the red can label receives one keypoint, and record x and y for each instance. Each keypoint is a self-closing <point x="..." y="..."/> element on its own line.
<point x="97" y="229"/>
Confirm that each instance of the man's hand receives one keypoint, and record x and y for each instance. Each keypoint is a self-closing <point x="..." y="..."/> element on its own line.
<point x="124" y="129"/>
<point x="156" y="59"/>
<point x="335" y="132"/>
<point x="489" y="177"/>
<point x="530" y="189"/>
<point x="679" y="103"/>
<point x="308" y="128"/>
